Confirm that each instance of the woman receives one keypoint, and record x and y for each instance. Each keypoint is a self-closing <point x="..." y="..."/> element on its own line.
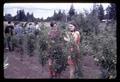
<point x="73" y="37"/>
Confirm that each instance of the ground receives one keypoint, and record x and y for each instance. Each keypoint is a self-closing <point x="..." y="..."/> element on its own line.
<point x="30" y="68"/>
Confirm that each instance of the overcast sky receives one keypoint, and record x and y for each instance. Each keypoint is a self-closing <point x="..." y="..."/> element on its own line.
<point x="46" y="9"/>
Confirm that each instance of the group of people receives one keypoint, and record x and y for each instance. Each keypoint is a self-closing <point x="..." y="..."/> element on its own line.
<point x="17" y="29"/>
<point x="72" y="35"/>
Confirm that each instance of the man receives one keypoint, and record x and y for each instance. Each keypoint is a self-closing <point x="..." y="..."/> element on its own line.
<point x="9" y="35"/>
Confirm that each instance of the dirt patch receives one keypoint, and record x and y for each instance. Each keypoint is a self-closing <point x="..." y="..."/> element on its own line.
<point x="30" y="68"/>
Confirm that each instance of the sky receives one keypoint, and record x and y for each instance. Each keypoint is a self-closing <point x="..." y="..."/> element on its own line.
<point x="46" y="9"/>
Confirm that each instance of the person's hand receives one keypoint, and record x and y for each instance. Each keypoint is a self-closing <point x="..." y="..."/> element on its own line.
<point x="49" y="61"/>
<point x="67" y="37"/>
<point x="69" y="57"/>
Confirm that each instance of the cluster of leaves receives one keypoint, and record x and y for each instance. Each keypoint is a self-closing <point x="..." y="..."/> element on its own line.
<point x="30" y="44"/>
<point x="98" y="39"/>
<point x="43" y="45"/>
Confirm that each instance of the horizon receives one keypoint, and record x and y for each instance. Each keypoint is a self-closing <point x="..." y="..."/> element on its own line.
<point x="44" y="10"/>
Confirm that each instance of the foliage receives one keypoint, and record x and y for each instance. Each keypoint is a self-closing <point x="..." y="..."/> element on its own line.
<point x="30" y="43"/>
<point x="99" y="40"/>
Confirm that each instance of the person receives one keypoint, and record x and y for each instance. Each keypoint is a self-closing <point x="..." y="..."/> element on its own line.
<point x="37" y="26"/>
<point x="37" y="29"/>
<point x="73" y="36"/>
<point x="30" y="39"/>
<point x="19" y="34"/>
<point x="55" y="60"/>
<point x="9" y="35"/>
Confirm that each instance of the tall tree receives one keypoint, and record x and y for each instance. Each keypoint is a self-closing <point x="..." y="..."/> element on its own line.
<point x="24" y="18"/>
<point x="113" y="11"/>
<point x="71" y="12"/>
<point x="20" y="15"/>
<point x="28" y="15"/>
<point x="95" y="10"/>
<point x="60" y="15"/>
<point x="64" y="17"/>
<point x="55" y="16"/>
<point x="108" y="11"/>
<point x="100" y="12"/>
<point x="8" y="17"/>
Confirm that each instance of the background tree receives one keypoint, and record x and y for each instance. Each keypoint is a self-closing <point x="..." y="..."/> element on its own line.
<point x="113" y="11"/>
<point x="100" y="12"/>
<point x="8" y="17"/>
<point x="94" y="11"/>
<point x="55" y="16"/>
<point x="71" y="12"/>
<point x="64" y="17"/>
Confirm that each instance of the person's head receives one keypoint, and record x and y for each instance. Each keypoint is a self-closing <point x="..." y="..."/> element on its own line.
<point x="72" y="26"/>
<point x="53" y="25"/>
<point x="36" y="23"/>
<point x="25" y="25"/>
<point x="30" y="23"/>
<point x="9" y="22"/>
<point x="21" y="24"/>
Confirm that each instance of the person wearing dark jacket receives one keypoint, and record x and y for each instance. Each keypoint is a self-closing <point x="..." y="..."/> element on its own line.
<point x="9" y="34"/>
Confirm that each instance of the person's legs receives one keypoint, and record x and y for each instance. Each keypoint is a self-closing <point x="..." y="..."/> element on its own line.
<point x="5" y="41"/>
<point x="51" y="72"/>
<point x="9" y="42"/>
<point x="12" y="43"/>
<point x="57" y="75"/>
<point x="72" y="70"/>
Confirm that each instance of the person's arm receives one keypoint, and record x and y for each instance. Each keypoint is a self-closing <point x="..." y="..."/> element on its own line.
<point x="77" y="37"/>
<point x="66" y="39"/>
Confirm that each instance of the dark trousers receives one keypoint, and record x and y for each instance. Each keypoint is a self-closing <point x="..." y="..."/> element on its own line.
<point x="9" y="42"/>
